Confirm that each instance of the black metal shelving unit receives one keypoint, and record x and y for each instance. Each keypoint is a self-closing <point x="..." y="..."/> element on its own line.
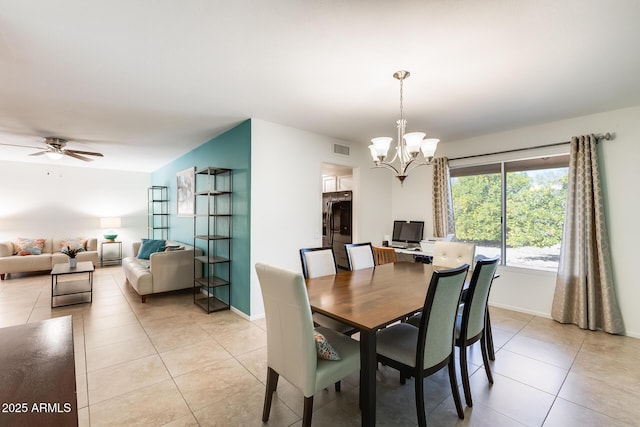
<point x="158" y="212"/>
<point x="212" y="234"/>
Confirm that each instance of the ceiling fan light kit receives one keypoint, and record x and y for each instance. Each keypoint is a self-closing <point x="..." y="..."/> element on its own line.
<point x="408" y="145"/>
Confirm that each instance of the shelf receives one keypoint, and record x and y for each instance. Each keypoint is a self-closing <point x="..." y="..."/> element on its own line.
<point x="211" y="259"/>
<point x="212" y="237"/>
<point x="210" y="304"/>
<point x="211" y="282"/>
<point x="212" y="193"/>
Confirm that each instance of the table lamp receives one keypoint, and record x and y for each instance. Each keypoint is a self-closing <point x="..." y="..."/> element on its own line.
<point x="110" y="224"/>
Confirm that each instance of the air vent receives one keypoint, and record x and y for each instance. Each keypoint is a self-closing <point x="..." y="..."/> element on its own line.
<point x="343" y="150"/>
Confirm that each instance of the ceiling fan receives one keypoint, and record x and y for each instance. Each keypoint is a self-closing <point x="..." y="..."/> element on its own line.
<point x="56" y="150"/>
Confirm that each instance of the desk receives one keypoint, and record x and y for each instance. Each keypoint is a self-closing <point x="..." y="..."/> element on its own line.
<point x="370" y="299"/>
<point x="37" y="374"/>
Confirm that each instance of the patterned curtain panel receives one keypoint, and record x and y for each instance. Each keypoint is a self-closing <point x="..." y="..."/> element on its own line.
<point x="585" y="293"/>
<point x="442" y="202"/>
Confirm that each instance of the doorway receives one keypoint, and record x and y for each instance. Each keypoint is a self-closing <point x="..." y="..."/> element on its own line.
<point x="337" y="209"/>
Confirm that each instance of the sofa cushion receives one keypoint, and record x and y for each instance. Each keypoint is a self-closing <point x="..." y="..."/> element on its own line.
<point x="150" y="246"/>
<point x="33" y="246"/>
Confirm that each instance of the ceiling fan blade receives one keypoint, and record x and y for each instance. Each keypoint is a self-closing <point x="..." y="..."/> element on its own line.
<point x="89" y="153"/>
<point x="39" y="153"/>
<point x="17" y="145"/>
<point x="71" y="153"/>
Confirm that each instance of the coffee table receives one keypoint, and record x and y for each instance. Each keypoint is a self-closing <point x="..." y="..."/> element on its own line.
<point x="75" y="290"/>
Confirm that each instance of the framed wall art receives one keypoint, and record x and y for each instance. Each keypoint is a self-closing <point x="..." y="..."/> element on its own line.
<point x="186" y="182"/>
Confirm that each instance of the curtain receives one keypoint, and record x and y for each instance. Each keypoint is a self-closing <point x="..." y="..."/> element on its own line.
<point x="585" y="292"/>
<point x="442" y="201"/>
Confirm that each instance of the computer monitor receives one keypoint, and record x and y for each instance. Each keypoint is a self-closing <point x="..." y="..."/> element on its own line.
<point x="408" y="231"/>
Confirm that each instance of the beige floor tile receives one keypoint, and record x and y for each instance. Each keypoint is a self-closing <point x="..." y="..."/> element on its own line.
<point x="479" y="415"/>
<point x="186" y="335"/>
<point x="113" y="335"/>
<point x="245" y="410"/>
<point x="255" y="362"/>
<point x="81" y="390"/>
<point x="95" y="323"/>
<point x="558" y="354"/>
<point x="602" y="396"/>
<point x="119" y="379"/>
<point x="184" y="359"/>
<point x="83" y="417"/>
<point x="154" y="405"/>
<point x="240" y="341"/>
<point x="511" y="398"/>
<point x="217" y="381"/>
<point x="120" y="352"/>
<point x="535" y="373"/>
<point x="566" y="414"/>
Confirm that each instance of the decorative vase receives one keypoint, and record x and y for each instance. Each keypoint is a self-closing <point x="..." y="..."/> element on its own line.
<point x="73" y="262"/>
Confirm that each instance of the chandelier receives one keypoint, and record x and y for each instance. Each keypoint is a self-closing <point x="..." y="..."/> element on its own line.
<point x="408" y="145"/>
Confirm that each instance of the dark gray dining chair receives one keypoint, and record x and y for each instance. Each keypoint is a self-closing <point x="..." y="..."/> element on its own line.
<point x="471" y="323"/>
<point x="422" y="351"/>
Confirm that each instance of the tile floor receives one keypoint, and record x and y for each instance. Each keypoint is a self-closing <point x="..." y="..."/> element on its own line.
<point x="166" y="363"/>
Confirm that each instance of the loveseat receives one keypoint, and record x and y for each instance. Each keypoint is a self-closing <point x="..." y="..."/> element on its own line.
<point x="44" y="254"/>
<point x="168" y="270"/>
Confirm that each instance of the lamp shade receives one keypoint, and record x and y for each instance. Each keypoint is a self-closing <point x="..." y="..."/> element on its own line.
<point x="110" y="222"/>
<point x="414" y="140"/>
<point x="381" y="145"/>
<point x="429" y="146"/>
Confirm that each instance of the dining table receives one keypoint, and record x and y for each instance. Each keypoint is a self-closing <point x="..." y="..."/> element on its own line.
<point x="369" y="299"/>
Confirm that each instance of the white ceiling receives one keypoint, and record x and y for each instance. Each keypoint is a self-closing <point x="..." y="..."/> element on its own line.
<point x="145" y="81"/>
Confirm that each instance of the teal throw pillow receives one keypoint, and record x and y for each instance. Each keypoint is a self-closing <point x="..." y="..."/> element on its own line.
<point x="150" y="246"/>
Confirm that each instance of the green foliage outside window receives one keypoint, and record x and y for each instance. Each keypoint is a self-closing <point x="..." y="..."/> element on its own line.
<point x="535" y="208"/>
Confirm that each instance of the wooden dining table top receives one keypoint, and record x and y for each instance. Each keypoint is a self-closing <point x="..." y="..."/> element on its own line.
<point x="371" y="298"/>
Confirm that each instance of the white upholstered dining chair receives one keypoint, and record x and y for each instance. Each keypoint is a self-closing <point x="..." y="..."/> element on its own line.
<point x="453" y="254"/>
<point x="359" y="255"/>
<point x="317" y="262"/>
<point x="291" y="341"/>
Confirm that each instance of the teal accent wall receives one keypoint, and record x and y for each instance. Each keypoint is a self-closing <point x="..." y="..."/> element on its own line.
<point x="231" y="150"/>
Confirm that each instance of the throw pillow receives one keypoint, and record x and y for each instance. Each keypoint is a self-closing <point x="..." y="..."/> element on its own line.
<point x="150" y="246"/>
<point x="31" y="245"/>
<point x="324" y="349"/>
<point x="78" y="243"/>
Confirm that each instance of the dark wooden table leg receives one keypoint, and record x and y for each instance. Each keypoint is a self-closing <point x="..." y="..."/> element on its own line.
<point x="368" y="365"/>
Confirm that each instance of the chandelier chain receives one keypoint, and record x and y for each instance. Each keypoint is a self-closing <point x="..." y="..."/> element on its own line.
<point x="401" y="100"/>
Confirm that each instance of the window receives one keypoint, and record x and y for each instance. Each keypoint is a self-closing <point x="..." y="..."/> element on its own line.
<point x="514" y="209"/>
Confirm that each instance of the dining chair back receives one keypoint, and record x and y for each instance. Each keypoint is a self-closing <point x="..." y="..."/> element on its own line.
<point x="452" y="254"/>
<point x="317" y="262"/>
<point x="471" y="323"/>
<point x="359" y="255"/>
<point x="422" y="351"/>
<point x="384" y="255"/>
<point x="291" y="340"/>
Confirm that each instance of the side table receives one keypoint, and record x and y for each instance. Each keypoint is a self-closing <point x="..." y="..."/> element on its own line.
<point x="111" y="259"/>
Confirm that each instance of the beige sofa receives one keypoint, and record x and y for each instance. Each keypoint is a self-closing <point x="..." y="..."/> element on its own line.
<point x="50" y="256"/>
<point x="162" y="272"/>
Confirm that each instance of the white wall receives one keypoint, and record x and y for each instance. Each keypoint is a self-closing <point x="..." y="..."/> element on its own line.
<point x="61" y="201"/>
<point x="532" y="291"/>
<point x="286" y="196"/>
